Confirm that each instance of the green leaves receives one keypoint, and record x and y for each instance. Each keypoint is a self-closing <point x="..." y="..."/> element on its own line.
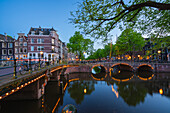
<point x="77" y="44"/>
<point x="97" y="18"/>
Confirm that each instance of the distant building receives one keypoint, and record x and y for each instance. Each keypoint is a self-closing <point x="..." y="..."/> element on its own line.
<point x="6" y="47"/>
<point x="71" y="56"/>
<point x="21" y="46"/>
<point x="43" y="43"/>
<point x="162" y="53"/>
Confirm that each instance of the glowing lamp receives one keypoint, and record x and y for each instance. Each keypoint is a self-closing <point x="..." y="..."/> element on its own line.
<point x="0" y="97"/>
<point x="85" y="90"/>
<point x="161" y="91"/>
<point x="7" y="93"/>
<point x="13" y="90"/>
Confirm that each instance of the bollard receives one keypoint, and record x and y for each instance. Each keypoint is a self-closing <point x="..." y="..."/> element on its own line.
<point x="15" y="72"/>
<point x="61" y="87"/>
<point x="30" y="65"/>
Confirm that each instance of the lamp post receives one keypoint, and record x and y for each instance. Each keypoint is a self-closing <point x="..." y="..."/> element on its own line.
<point x="41" y="53"/>
<point x="138" y="57"/>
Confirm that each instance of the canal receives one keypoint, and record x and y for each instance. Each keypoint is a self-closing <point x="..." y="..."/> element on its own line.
<point x="100" y="93"/>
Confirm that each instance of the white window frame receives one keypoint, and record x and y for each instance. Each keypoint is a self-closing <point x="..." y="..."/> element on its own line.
<point x="3" y="45"/>
<point x="9" y="45"/>
<point x="16" y="43"/>
<point x="32" y="41"/>
<point x="3" y="51"/>
<point x="9" y="53"/>
<point x="32" y="48"/>
<point x="25" y="44"/>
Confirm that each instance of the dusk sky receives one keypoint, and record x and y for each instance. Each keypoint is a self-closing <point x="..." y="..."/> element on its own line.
<point x="20" y="15"/>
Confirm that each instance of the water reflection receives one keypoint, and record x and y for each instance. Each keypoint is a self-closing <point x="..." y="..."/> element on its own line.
<point x="145" y="75"/>
<point x="91" y="96"/>
<point x="78" y="89"/>
<point x="120" y="75"/>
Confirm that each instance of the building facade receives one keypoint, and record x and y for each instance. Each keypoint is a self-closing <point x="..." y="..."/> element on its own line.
<point x="43" y="43"/>
<point x="21" y="46"/>
<point x="6" y="47"/>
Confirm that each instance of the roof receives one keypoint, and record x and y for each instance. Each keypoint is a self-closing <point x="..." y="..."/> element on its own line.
<point x="2" y="38"/>
<point x="46" y="31"/>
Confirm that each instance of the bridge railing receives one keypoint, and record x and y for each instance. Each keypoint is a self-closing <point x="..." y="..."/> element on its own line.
<point x="13" y="68"/>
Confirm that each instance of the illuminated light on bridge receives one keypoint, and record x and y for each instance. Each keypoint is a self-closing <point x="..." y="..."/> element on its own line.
<point x="7" y="94"/>
<point x="161" y="91"/>
<point x="22" y="86"/>
<point x="145" y="65"/>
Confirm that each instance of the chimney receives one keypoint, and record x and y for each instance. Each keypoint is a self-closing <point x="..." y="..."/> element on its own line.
<point x="6" y="36"/>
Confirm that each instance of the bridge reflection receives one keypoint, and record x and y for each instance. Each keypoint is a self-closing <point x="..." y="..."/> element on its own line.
<point x="77" y="82"/>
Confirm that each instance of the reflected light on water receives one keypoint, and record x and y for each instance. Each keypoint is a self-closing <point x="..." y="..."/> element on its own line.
<point x="85" y="90"/>
<point x="114" y="91"/>
<point x="161" y="91"/>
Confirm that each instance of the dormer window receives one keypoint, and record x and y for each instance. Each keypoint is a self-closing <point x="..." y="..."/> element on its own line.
<point x="21" y="39"/>
<point x="32" y="32"/>
<point x="40" y="33"/>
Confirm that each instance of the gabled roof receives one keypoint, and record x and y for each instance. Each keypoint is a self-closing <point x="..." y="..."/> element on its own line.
<point x="46" y="31"/>
<point x="9" y="39"/>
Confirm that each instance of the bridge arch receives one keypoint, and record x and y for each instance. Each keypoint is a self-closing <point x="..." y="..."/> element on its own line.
<point x="145" y="67"/>
<point x="121" y="72"/>
<point x="123" y="65"/>
<point x="98" y="72"/>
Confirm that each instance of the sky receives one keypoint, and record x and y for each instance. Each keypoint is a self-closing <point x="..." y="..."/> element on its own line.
<point x="20" y="15"/>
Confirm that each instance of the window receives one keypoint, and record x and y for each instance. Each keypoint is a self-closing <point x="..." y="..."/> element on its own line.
<point x="25" y="43"/>
<point x="30" y="54"/>
<point x="32" y="40"/>
<point x="34" y="54"/>
<point x="21" y="39"/>
<point x="16" y="43"/>
<point x="16" y="50"/>
<point x="20" y="50"/>
<point x="10" y="45"/>
<point x="4" y="45"/>
<point x="40" y="33"/>
<point x="52" y="41"/>
<point x="52" y="48"/>
<point x="21" y="44"/>
<point x="25" y="50"/>
<point x="10" y="52"/>
<point x="40" y="48"/>
<point x="32" y="32"/>
<point x="38" y="55"/>
<point x="4" y="52"/>
<point x="32" y="48"/>
<point x="39" y="41"/>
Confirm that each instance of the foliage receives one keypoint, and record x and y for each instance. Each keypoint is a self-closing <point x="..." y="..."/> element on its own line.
<point x="77" y="44"/>
<point x="99" y="17"/>
<point x="129" y="41"/>
<point x="101" y="53"/>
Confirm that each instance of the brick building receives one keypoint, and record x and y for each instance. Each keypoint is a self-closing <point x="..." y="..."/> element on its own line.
<point x="43" y="43"/>
<point x="6" y="47"/>
<point x="21" y="46"/>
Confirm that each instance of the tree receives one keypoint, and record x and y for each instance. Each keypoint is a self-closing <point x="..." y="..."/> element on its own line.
<point x="77" y="44"/>
<point x="99" y="17"/>
<point x="129" y="41"/>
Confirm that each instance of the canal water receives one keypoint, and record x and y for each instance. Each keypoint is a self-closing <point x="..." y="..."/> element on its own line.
<point x="90" y="94"/>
